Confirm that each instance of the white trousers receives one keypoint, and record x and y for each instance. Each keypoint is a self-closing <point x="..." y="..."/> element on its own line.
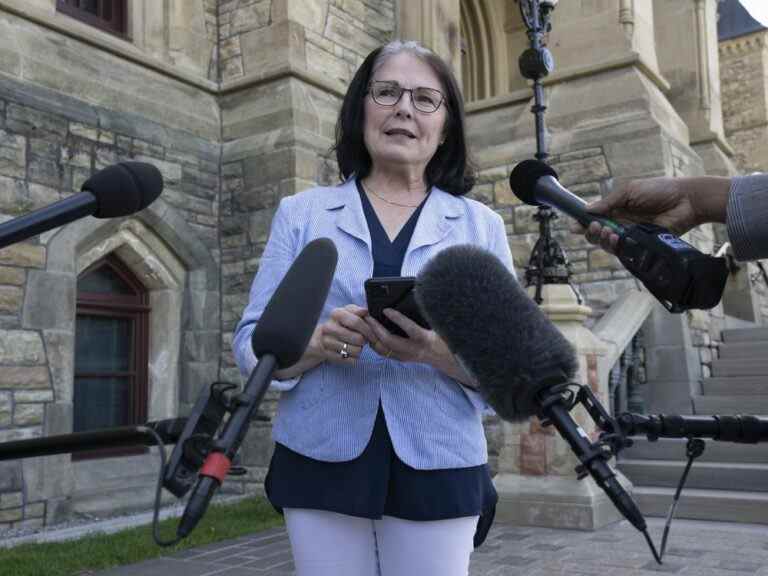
<point x="331" y="544"/>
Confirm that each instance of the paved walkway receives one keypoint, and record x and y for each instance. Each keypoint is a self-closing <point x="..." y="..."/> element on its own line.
<point x="700" y="548"/>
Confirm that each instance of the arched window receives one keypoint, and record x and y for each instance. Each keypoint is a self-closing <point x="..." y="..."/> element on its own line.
<point x="111" y="347"/>
<point x="109" y="15"/>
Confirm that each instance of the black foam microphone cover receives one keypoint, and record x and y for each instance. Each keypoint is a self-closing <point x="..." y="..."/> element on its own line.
<point x="497" y="332"/>
<point x="124" y="188"/>
<point x="290" y="317"/>
<point x="523" y="178"/>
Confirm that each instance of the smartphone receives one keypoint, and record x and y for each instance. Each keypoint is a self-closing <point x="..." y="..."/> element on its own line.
<point x="393" y="292"/>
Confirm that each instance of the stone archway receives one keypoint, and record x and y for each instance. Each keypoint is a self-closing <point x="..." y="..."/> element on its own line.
<point x="484" y="53"/>
<point x="182" y="278"/>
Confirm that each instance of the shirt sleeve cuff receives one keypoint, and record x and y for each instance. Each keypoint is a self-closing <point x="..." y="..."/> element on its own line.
<point x="478" y="401"/>
<point x="746" y="216"/>
<point x="281" y="385"/>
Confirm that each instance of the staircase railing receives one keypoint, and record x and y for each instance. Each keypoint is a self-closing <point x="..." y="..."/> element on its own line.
<point x="618" y="329"/>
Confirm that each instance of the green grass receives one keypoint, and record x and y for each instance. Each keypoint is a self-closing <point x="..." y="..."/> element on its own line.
<point x="101" y="551"/>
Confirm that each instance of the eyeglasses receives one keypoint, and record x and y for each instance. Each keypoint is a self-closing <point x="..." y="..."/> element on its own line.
<point x="386" y="93"/>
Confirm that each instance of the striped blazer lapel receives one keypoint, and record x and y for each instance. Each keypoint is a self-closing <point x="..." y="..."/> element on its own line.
<point x="345" y="200"/>
<point x="436" y="220"/>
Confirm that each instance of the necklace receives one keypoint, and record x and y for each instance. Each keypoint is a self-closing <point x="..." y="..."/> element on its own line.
<point x="368" y="188"/>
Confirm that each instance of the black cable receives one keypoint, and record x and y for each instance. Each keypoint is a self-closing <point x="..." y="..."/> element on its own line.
<point x="158" y="492"/>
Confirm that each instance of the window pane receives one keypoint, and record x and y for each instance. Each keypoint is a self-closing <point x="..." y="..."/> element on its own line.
<point x="104" y="280"/>
<point x="89" y="6"/>
<point x="101" y="403"/>
<point x="102" y="344"/>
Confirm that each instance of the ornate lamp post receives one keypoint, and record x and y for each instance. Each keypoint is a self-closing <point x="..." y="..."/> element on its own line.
<point x="548" y="263"/>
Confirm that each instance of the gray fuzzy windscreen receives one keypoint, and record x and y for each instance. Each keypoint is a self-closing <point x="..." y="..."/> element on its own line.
<point x="496" y="330"/>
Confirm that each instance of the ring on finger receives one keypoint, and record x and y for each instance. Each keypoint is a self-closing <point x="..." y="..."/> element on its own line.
<point x="344" y="351"/>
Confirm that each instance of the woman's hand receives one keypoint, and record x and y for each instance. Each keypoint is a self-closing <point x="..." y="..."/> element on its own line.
<point x="421" y="345"/>
<point x="342" y="337"/>
<point x="339" y="340"/>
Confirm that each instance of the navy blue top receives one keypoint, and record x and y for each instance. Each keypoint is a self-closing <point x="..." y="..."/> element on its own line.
<point x="377" y="482"/>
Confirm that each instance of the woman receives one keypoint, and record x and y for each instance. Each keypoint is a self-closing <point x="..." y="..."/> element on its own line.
<point x="380" y="464"/>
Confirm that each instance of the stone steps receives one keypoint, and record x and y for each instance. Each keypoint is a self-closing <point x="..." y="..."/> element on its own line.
<point x="729" y="482"/>
<point x="746" y="350"/>
<point x="735" y="386"/>
<point x="740" y="367"/>
<point x="753" y="405"/>
<point x="674" y="449"/>
<point x="702" y="476"/>
<point x="721" y="505"/>
<point x="745" y="335"/>
<point x="739" y="381"/>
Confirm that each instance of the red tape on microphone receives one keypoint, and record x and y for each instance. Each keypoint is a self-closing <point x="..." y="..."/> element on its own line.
<point x="216" y="466"/>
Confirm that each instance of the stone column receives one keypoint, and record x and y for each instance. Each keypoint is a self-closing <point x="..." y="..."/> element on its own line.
<point x="434" y="23"/>
<point x="536" y="482"/>
<point x="686" y="38"/>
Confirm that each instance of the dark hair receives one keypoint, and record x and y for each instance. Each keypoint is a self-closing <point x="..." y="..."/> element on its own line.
<point x="450" y="168"/>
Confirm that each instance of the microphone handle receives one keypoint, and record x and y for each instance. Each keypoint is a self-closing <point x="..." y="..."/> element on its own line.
<point x="57" y="214"/>
<point x="549" y="191"/>
<point x="218" y="461"/>
<point x="197" y="505"/>
<point x="593" y="461"/>
<point x="741" y="429"/>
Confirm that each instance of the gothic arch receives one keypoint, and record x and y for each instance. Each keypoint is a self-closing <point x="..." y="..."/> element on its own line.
<point x="182" y="278"/>
<point x="484" y="62"/>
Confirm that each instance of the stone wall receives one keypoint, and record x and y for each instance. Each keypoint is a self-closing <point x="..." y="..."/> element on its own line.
<point x="330" y="37"/>
<point x="743" y="69"/>
<point x="55" y="133"/>
<point x="177" y="35"/>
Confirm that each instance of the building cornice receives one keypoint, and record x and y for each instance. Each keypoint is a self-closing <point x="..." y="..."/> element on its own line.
<point x="93" y="37"/>
<point x="743" y="44"/>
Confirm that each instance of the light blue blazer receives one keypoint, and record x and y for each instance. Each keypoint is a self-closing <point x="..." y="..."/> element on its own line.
<point x="328" y="412"/>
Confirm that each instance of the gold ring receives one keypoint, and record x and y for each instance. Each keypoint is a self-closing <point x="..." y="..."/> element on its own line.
<point x="389" y="353"/>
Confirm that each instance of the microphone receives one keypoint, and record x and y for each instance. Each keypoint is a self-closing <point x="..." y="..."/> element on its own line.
<point x="536" y="184"/>
<point x="676" y="273"/>
<point x="117" y="190"/>
<point x="520" y="360"/>
<point x="741" y="428"/>
<point x="278" y="340"/>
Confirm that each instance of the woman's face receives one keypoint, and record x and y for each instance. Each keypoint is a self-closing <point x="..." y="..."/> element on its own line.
<point x="402" y="134"/>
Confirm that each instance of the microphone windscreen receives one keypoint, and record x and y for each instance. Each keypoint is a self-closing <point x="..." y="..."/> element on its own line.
<point x="524" y="176"/>
<point x="497" y="332"/>
<point x="124" y="188"/>
<point x="290" y="317"/>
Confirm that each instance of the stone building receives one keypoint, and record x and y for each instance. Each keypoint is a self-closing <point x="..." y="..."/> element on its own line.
<point x="107" y="322"/>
